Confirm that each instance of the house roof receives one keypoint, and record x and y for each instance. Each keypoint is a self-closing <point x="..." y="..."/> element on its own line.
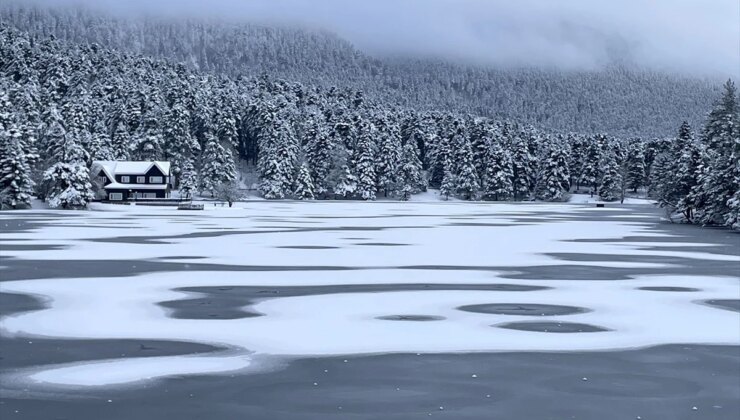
<point x="112" y="167"/>
<point x="119" y="186"/>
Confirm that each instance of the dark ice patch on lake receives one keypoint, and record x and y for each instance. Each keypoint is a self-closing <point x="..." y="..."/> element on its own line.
<point x="668" y="289"/>
<point x="411" y="318"/>
<point x="21" y="352"/>
<point x="13" y="303"/>
<point x="379" y="244"/>
<point x="30" y="247"/>
<point x="551" y="327"/>
<point x="224" y="302"/>
<point x="727" y="304"/>
<point x="662" y="382"/>
<point x="314" y="247"/>
<point x="529" y="309"/>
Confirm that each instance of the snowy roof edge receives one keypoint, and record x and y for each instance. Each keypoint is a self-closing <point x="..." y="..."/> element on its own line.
<point x="113" y="167"/>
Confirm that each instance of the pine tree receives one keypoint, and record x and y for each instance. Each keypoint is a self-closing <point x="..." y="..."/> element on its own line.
<point x="318" y="155"/>
<point x="447" y="188"/>
<point x="578" y="147"/>
<point x="188" y="181"/>
<point x="388" y="157"/>
<point x="466" y="177"/>
<point x="346" y="187"/>
<point x="555" y="182"/>
<point x="732" y="219"/>
<point x="685" y="178"/>
<point x="53" y="137"/>
<point x="365" y="164"/>
<point x="480" y="140"/>
<point x="179" y="145"/>
<point x="304" y="188"/>
<point x="120" y="142"/>
<point x="340" y="179"/>
<point x="411" y="170"/>
<point x="218" y="164"/>
<point x="277" y="158"/>
<point x="16" y="186"/>
<point x="67" y="182"/>
<point x="499" y="173"/>
<point x="610" y="184"/>
<point x="719" y="179"/>
<point x="590" y="169"/>
<point x="522" y="168"/>
<point x="635" y="165"/>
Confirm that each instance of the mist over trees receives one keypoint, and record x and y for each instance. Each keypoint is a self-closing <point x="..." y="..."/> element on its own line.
<point x="65" y="102"/>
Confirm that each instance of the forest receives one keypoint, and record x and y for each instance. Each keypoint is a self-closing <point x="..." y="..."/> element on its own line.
<point x="622" y="99"/>
<point x="77" y="87"/>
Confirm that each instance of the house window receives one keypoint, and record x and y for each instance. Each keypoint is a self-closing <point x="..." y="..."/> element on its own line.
<point x="102" y="179"/>
<point x="125" y="179"/>
<point x="155" y="180"/>
<point x="141" y="180"/>
<point x="115" y="196"/>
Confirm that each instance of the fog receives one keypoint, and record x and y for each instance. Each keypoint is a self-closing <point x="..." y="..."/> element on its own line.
<point x="687" y="36"/>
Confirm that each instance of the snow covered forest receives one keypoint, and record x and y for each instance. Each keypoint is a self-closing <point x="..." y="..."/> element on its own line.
<point x="622" y="99"/>
<point x="317" y="119"/>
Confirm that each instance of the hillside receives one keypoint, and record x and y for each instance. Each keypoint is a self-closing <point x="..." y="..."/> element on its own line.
<point x="618" y="100"/>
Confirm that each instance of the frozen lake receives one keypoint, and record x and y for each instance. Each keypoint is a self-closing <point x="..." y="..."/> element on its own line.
<point x="341" y="308"/>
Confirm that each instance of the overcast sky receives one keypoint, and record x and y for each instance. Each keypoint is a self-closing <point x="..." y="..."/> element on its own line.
<point x="694" y="36"/>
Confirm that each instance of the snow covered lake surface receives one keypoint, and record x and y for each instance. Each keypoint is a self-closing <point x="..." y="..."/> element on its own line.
<point x="265" y="283"/>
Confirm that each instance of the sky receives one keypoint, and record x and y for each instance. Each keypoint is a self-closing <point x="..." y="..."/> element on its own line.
<point x="686" y="36"/>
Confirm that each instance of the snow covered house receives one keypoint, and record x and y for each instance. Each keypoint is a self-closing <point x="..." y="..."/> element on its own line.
<point x="124" y="181"/>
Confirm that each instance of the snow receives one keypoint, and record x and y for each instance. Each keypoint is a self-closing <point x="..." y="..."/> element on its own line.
<point x="432" y="234"/>
<point x="113" y="168"/>
<point x="587" y="199"/>
<point x="430" y="195"/>
<point x="119" y="186"/>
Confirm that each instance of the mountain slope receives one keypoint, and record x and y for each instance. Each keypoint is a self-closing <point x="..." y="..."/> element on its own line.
<point x="617" y="100"/>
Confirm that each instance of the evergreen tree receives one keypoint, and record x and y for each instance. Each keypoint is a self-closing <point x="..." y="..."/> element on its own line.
<point x="388" y="157"/>
<point x="318" y="156"/>
<point x="304" y="188"/>
<point x="188" y="181"/>
<point x="578" y="147"/>
<point x="467" y="184"/>
<point x="218" y="165"/>
<point x="590" y="169"/>
<point x="522" y="168"/>
<point x="635" y="165"/>
<point x="499" y="173"/>
<point x="179" y="145"/>
<point x="54" y="137"/>
<point x="447" y="188"/>
<point x="685" y="178"/>
<point x="610" y="185"/>
<point x="147" y="143"/>
<point x="719" y="179"/>
<point x="120" y="142"/>
<point x="340" y="179"/>
<point x="346" y="186"/>
<point x="16" y="186"/>
<point x="365" y="164"/>
<point x="67" y="182"/>
<point x="555" y="182"/>
<point x="411" y="170"/>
